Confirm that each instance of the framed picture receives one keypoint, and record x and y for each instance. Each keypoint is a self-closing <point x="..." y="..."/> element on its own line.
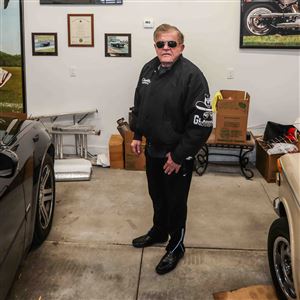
<point x="96" y="2"/>
<point x="118" y="44"/>
<point x="12" y="75"/>
<point x="44" y="43"/>
<point x="269" y="24"/>
<point x="81" y="30"/>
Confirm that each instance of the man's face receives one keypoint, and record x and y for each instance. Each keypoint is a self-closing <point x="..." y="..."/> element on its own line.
<point x="168" y="55"/>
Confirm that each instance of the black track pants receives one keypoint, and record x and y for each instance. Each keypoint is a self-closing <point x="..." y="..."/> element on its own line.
<point x="169" y="194"/>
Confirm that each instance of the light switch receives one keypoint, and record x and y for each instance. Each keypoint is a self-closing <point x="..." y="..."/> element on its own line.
<point x="230" y="73"/>
<point x="72" y="71"/>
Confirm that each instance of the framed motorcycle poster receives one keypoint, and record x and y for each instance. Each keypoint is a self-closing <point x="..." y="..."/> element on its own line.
<point x="270" y="24"/>
<point x="96" y="2"/>
<point x="12" y="75"/>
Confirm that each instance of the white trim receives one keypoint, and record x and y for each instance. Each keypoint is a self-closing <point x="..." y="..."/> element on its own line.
<point x="181" y="239"/>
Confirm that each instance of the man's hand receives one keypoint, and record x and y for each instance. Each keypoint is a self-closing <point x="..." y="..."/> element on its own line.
<point x="170" y="166"/>
<point x="136" y="147"/>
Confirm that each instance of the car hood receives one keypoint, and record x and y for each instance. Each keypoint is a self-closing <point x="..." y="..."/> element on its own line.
<point x="10" y="128"/>
<point x="291" y="168"/>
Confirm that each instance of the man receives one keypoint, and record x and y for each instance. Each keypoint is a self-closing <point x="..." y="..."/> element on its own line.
<point x="172" y="110"/>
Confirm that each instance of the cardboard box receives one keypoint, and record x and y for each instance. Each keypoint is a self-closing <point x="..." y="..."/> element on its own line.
<point x="266" y="164"/>
<point x="232" y="117"/>
<point x="116" y="151"/>
<point x="133" y="162"/>
<point x="261" y="292"/>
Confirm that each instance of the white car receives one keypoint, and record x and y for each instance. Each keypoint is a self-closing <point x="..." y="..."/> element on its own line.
<point x="117" y="43"/>
<point x="284" y="234"/>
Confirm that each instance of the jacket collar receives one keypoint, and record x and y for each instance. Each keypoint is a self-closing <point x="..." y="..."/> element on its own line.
<point x="157" y="63"/>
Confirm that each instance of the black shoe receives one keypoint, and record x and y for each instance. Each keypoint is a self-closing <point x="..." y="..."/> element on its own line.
<point x="147" y="240"/>
<point x="169" y="262"/>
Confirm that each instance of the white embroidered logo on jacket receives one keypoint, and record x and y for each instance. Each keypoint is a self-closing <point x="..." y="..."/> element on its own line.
<point x="146" y="81"/>
<point x="206" y="117"/>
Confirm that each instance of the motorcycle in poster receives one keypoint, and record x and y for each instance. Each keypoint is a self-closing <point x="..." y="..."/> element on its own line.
<point x="270" y="23"/>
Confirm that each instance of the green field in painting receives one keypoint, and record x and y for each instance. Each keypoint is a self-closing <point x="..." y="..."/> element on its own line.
<point x="50" y="50"/>
<point x="11" y="94"/>
<point x="275" y="40"/>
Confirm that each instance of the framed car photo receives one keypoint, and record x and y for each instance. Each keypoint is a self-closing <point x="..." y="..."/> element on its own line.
<point x="117" y="44"/>
<point x="270" y="24"/>
<point x="44" y="43"/>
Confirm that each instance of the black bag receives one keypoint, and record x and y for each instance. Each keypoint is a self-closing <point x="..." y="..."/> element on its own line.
<point x="275" y="130"/>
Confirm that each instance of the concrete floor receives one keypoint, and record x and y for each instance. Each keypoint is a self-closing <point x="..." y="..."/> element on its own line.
<point x="88" y="254"/>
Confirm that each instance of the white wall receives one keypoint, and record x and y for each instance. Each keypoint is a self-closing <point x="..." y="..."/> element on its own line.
<point x="211" y="29"/>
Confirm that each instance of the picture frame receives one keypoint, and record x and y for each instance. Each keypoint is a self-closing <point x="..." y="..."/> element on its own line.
<point x="44" y="43"/>
<point x="89" y="2"/>
<point x="263" y="25"/>
<point x="117" y="44"/>
<point x="80" y="30"/>
<point x="12" y="63"/>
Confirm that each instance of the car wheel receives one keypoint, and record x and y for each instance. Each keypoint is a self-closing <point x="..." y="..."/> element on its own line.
<point x="279" y="254"/>
<point x="251" y="24"/>
<point x="45" y="202"/>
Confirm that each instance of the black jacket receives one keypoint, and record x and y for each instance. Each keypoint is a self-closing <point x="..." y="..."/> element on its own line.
<point x="172" y="109"/>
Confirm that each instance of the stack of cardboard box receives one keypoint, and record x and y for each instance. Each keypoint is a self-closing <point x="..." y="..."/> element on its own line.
<point x="116" y="152"/>
<point x="132" y="161"/>
<point x="121" y="154"/>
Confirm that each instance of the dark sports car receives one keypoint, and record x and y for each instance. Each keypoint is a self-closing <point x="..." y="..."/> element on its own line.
<point x="27" y="192"/>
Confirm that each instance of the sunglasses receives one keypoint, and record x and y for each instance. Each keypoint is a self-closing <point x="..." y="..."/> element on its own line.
<point x="161" y="44"/>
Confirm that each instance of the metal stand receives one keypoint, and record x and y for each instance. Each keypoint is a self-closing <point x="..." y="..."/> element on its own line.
<point x="202" y="157"/>
<point x="79" y="131"/>
<point x="71" y="169"/>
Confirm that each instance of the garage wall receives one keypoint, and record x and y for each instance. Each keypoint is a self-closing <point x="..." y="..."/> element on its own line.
<point x="211" y="29"/>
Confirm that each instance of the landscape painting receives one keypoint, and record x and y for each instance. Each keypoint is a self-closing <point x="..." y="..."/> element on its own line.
<point x="11" y="70"/>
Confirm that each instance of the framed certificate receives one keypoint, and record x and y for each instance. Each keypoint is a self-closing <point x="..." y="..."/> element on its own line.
<point x="81" y="30"/>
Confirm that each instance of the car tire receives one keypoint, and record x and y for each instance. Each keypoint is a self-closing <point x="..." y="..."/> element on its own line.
<point x="279" y="255"/>
<point x="45" y="202"/>
<point x="250" y="26"/>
